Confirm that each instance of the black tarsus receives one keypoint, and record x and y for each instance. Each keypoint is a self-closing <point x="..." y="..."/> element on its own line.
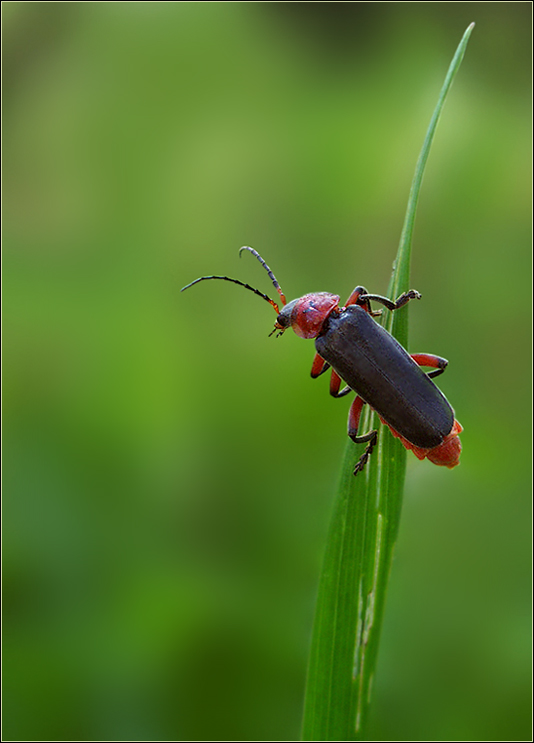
<point x="389" y="303"/>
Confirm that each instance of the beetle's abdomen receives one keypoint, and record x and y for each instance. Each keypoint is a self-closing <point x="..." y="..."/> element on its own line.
<point x="378" y="369"/>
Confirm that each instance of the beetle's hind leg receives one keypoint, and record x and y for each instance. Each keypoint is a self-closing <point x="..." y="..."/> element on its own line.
<point x="371" y="437"/>
<point x="428" y="359"/>
<point x="319" y="366"/>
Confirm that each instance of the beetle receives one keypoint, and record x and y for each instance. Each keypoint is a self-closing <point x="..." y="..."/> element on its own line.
<point x="373" y="364"/>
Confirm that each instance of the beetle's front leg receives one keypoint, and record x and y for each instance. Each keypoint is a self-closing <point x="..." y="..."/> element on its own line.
<point x="358" y="296"/>
<point x="354" y="421"/>
<point x="428" y="359"/>
<point x="389" y="303"/>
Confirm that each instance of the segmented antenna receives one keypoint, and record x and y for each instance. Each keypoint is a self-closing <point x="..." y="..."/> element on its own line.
<point x="266" y="267"/>
<point x="235" y="281"/>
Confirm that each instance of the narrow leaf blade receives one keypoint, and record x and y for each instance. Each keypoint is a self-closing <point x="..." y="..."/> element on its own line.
<point x="363" y="530"/>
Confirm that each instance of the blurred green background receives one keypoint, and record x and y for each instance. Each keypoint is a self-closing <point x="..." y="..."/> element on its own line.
<point x="169" y="469"/>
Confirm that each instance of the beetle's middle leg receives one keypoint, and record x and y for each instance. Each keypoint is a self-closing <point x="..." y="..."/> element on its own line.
<point x="354" y="421"/>
<point x="319" y="366"/>
<point x="335" y="384"/>
<point x="428" y="359"/>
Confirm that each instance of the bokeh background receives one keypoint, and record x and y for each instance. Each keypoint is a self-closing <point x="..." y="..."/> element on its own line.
<point x="169" y="470"/>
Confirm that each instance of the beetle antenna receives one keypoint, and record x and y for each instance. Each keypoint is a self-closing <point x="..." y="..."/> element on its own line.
<point x="266" y="267"/>
<point x="235" y="281"/>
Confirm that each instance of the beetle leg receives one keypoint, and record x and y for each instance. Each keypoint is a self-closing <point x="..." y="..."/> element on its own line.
<point x="389" y="303"/>
<point x="356" y="298"/>
<point x="354" y="421"/>
<point x="428" y="359"/>
<point x="319" y="366"/>
<point x="335" y="384"/>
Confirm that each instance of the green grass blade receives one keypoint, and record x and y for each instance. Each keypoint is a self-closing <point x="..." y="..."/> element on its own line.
<point x="362" y="535"/>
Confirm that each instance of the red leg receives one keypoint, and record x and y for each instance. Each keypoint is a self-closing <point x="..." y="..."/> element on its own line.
<point x="319" y="366"/>
<point x="363" y="299"/>
<point x="354" y="421"/>
<point x="428" y="359"/>
<point x="335" y="384"/>
<point x="355" y="299"/>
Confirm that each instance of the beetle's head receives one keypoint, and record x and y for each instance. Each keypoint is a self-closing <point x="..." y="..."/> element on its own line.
<point x="307" y="314"/>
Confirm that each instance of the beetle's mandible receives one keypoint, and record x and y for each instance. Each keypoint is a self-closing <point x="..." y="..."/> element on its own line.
<point x="373" y="365"/>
